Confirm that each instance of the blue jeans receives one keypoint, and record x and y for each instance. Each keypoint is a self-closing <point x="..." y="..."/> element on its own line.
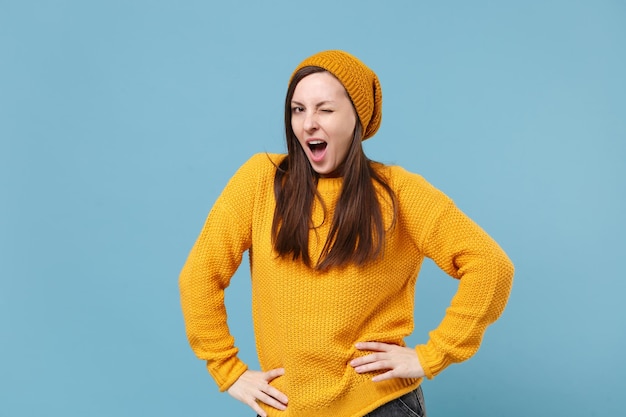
<point x="409" y="405"/>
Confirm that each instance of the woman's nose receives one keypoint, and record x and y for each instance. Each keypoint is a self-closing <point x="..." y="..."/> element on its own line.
<point x="310" y="122"/>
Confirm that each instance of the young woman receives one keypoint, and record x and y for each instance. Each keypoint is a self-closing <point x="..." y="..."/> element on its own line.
<point x="335" y="243"/>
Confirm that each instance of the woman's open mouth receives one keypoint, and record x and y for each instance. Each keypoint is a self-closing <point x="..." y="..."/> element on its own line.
<point x="318" y="149"/>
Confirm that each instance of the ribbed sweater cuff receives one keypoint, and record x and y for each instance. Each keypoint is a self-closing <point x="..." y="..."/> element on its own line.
<point x="432" y="361"/>
<point x="227" y="372"/>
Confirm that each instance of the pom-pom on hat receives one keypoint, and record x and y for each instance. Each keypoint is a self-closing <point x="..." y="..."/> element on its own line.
<point x="360" y="82"/>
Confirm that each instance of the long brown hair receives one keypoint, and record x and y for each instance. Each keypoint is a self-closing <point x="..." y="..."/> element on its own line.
<point x="357" y="232"/>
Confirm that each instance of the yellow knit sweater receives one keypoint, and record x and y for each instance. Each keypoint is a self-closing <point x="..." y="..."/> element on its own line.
<point x="308" y="321"/>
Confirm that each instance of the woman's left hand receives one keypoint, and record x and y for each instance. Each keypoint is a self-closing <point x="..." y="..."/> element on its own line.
<point x="400" y="362"/>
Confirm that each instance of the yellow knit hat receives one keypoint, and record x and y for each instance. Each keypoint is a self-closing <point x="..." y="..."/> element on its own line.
<point x="360" y="82"/>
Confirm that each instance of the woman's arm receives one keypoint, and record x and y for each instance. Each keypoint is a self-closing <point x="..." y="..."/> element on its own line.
<point x="214" y="258"/>
<point x="466" y="252"/>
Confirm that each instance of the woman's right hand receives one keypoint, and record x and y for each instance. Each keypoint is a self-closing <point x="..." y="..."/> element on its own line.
<point x="254" y="386"/>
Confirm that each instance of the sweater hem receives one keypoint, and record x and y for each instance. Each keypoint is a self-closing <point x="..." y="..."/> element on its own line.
<point x="358" y="402"/>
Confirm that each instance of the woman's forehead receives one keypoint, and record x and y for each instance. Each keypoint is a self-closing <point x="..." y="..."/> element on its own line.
<point x="319" y="86"/>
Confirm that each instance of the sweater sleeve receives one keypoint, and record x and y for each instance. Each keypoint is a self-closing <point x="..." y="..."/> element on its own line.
<point x="464" y="251"/>
<point x="213" y="260"/>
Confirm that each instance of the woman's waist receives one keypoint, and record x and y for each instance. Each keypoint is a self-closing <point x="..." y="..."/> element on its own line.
<point x="318" y="388"/>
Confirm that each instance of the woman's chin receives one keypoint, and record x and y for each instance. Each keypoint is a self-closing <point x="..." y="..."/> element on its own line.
<point x="332" y="172"/>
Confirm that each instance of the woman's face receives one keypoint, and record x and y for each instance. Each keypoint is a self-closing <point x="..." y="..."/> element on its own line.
<point x="323" y="119"/>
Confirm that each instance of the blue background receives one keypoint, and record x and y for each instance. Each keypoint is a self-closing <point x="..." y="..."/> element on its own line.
<point x="121" y="121"/>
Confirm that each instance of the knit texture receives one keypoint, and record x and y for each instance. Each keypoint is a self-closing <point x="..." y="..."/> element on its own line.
<point x="308" y="321"/>
<point x="360" y="82"/>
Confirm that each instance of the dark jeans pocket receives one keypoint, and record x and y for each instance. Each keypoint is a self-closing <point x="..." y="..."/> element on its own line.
<point x="409" y="405"/>
<point x="413" y="403"/>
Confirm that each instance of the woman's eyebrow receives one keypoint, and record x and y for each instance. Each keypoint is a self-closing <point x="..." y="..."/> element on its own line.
<point x="321" y="103"/>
